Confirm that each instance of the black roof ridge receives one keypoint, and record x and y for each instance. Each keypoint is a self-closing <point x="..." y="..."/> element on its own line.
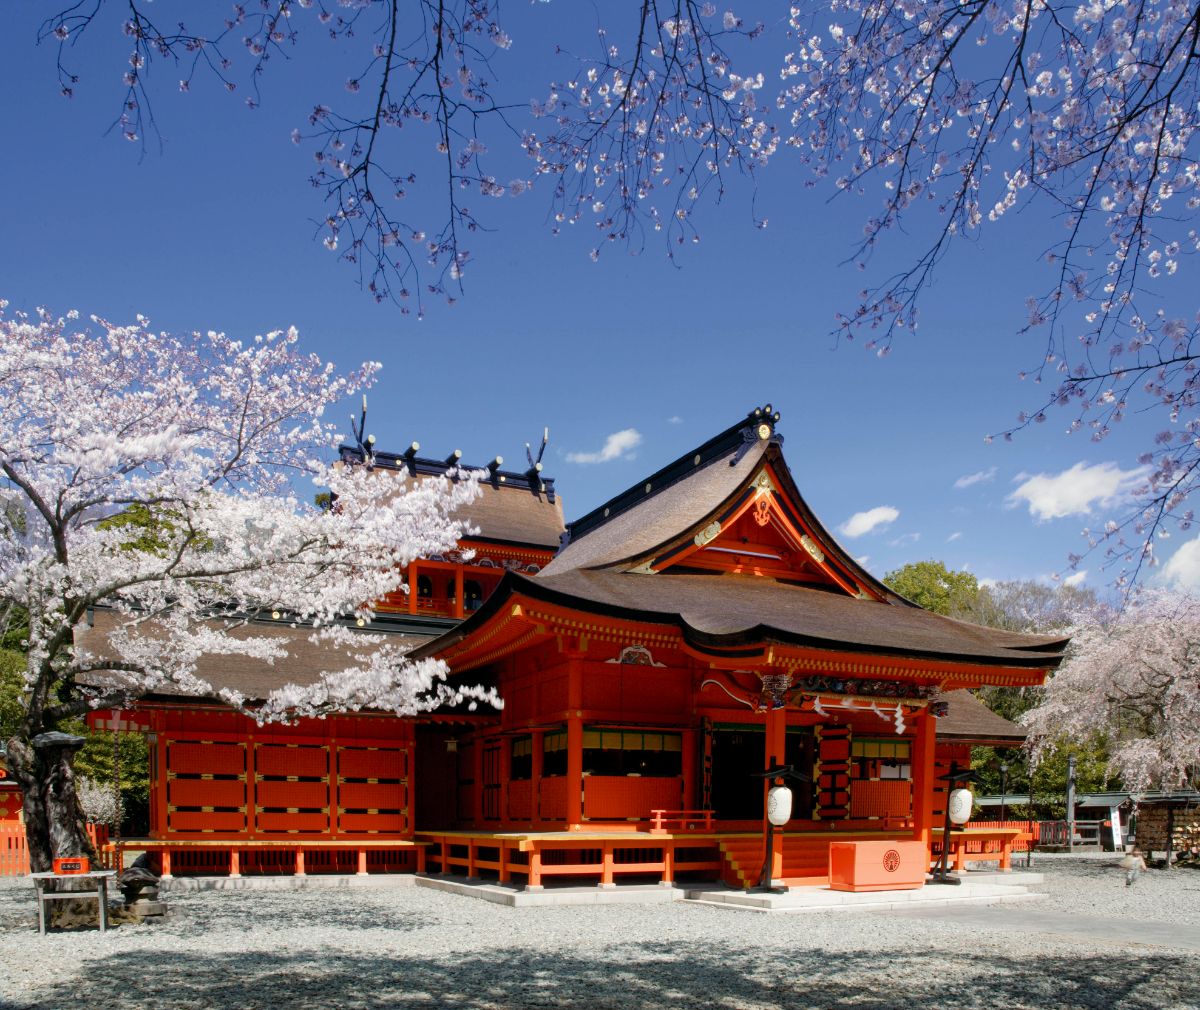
<point x="530" y="480"/>
<point x="742" y="432"/>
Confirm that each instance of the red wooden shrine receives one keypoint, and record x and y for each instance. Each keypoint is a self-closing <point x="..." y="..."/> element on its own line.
<point x="685" y="635"/>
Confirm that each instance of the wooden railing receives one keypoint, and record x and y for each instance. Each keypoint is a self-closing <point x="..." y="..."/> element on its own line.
<point x="664" y="821"/>
<point x="1031" y="832"/>
<point x="14" y="854"/>
<point x="14" y="850"/>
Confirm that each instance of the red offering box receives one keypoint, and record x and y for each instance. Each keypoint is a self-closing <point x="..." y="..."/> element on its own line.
<point x="73" y="864"/>
<point x="877" y="866"/>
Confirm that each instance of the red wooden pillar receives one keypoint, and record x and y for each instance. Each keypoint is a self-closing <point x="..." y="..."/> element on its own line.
<point x="165" y="862"/>
<point x="535" y="870"/>
<point x="575" y="743"/>
<point x="160" y="822"/>
<point x="251" y="795"/>
<point x="412" y="588"/>
<point x="535" y="778"/>
<point x="362" y="862"/>
<point x="477" y="774"/>
<point x="458" y="593"/>
<point x="505" y="779"/>
<point x="776" y="738"/>
<point x="922" y="764"/>
<point x="688" y="757"/>
<point x="235" y="863"/>
<point x="300" y="863"/>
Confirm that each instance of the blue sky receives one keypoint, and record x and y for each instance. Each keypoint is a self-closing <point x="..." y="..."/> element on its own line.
<point x="216" y="232"/>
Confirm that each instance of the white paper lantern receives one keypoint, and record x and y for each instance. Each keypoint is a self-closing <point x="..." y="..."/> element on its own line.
<point x="779" y="805"/>
<point x="961" y="802"/>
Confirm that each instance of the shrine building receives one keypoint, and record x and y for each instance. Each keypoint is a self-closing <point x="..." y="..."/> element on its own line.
<point x="654" y="657"/>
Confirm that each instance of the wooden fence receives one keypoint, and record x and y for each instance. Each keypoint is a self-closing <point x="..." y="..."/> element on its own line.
<point x="14" y="852"/>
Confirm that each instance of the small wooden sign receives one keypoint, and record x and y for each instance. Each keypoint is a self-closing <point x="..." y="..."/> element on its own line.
<point x="72" y="864"/>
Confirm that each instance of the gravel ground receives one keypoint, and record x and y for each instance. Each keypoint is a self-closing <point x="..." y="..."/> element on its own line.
<point x="376" y="948"/>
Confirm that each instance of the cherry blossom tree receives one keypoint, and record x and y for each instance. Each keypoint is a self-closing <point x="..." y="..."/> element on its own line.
<point x="203" y="439"/>
<point x="1132" y="682"/>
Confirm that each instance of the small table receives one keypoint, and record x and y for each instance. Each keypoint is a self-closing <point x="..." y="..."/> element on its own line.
<point x="99" y="892"/>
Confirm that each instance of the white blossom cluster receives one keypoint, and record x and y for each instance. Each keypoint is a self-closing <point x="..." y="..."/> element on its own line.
<point x="100" y="801"/>
<point x="1135" y="683"/>
<point x="154" y="475"/>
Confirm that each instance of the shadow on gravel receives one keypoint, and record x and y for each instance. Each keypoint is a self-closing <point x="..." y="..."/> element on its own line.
<point x="629" y="977"/>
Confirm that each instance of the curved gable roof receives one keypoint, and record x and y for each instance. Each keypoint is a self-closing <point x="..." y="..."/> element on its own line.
<point x="616" y="562"/>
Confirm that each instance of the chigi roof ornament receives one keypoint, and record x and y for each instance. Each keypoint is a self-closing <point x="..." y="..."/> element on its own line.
<point x="366" y="445"/>
<point x="363" y="451"/>
<point x="760" y="429"/>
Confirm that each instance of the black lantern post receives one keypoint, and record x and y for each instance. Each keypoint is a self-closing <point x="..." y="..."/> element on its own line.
<point x="1003" y="790"/>
<point x="779" y="812"/>
<point x="954" y="780"/>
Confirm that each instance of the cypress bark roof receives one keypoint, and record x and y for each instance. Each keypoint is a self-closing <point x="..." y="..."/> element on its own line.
<point x="254" y="678"/>
<point x="620" y="560"/>
<point x="515" y="508"/>
<point x="722" y="611"/>
<point x="969" y="720"/>
<point x="515" y="516"/>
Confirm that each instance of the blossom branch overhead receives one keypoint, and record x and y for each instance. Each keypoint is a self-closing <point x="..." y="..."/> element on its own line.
<point x="952" y="115"/>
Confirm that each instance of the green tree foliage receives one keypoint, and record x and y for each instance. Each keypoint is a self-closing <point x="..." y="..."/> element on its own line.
<point x="12" y="685"/>
<point x="96" y="760"/>
<point x="1031" y="608"/>
<point x="930" y="584"/>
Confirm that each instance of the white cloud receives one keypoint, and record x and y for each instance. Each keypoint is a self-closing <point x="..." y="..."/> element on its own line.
<point x="954" y="536"/>
<point x="674" y="419"/>
<point x="1183" y="570"/>
<point x="863" y="560"/>
<point x="905" y="540"/>
<point x="1076" y="579"/>
<point x="979" y="477"/>
<point x="987" y="583"/>
<point x="618" y="445"/>
<point x="872" y="519"/>
<point x="1075" y="491"/>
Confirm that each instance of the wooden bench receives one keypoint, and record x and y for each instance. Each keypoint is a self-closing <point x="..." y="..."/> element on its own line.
<point x="99" y="892"/>
<point x="663" y="822"/>
<point x="973" y="845"/>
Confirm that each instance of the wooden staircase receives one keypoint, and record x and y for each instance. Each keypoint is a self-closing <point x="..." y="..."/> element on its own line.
<point x="805" y="860"/>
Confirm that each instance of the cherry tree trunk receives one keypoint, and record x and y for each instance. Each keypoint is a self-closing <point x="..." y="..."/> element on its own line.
<point x="54" y="824"/>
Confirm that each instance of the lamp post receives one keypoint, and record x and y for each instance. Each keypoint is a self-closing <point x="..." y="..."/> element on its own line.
<point x="1071" y="803"/>
<point x="779" y="812"/>
<point x="958" y="811"/>
<point x="1003" y="790"/>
